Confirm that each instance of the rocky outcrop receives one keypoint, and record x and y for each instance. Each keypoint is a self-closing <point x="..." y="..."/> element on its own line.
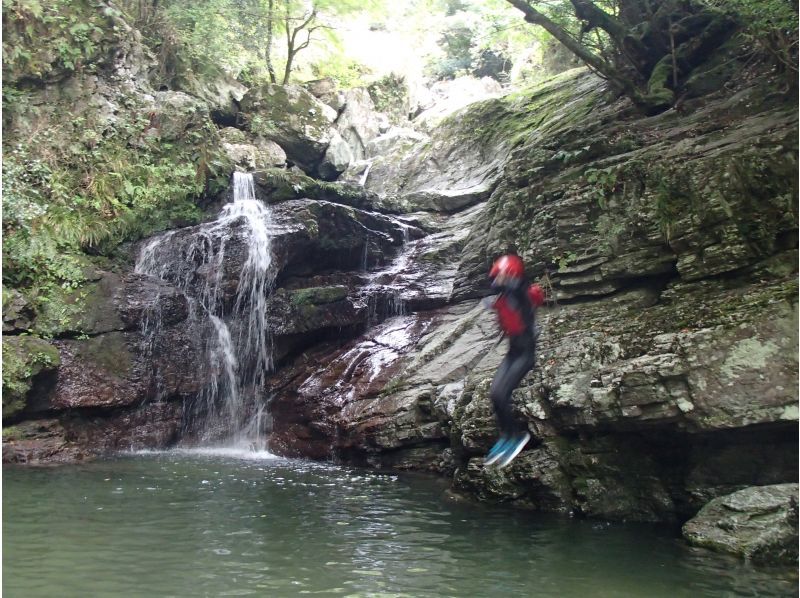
<point x="251" y="153"/>
<point x="451" y="166"/>
<point x="446" y="98"/>
<point x="294" y="119"/>
<point x="758" y="523"/>
<point x="666" y="363"/>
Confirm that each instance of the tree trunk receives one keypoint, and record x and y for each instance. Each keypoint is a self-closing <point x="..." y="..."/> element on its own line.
<point x="270" y="32"/>
<point x="606" y="70"/>
<point x="660" y="42"/>
<point x="292" y="47"/>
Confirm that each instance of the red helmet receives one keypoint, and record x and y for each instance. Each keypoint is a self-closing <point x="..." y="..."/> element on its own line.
<point x="508" y="265"/>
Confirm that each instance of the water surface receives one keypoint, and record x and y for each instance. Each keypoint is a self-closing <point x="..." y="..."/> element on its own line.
<point x="236" y="524"/>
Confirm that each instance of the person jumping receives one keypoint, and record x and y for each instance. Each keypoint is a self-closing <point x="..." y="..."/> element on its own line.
<point x="515" y="304"/>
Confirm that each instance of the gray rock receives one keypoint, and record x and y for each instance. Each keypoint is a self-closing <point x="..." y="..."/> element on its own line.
<point x="294" y="119"/>
<point x="17" y="313"/>
<point x="359" y="123"/>
<point x="325" y="90"/>
<point x="337" y="158"/>
<point x="758" y="523"/>
<point x="176" y="112"/>
<point x="393" y="139"/>
<point x="233" y="135"/>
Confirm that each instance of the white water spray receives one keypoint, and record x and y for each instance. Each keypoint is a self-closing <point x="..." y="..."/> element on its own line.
<point x="236" y="343"/>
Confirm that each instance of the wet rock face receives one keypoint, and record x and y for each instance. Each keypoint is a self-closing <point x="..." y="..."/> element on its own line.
<point x="314" y="236"/>
<point x="758" y="523"/>
<point x="359" y="400"/>
<point x="337" y="407"/>
<point x="77" y="437"/>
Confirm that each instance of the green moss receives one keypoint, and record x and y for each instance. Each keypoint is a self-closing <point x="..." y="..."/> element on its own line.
<point x="659" y="96"/>
<point x="318" y="295"/>
<point x="511" y="118"/>
<point x="47" y="40"/>
<point x="12" y="433"/>
<point x="277" y="107"/>
<point x="23" y="358"/>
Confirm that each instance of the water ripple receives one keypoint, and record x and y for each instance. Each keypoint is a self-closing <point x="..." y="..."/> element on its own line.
<point x="190" y="523"/>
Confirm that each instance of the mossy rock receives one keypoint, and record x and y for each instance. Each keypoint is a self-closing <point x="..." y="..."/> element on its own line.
<point x="293" y="118"/>
<point x="87" y="309"/>
<point x="24" y="357"/>
<point x="318" y="295"/>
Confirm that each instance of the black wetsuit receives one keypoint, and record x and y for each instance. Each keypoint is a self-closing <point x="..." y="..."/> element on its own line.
<point x="517" y="318"/>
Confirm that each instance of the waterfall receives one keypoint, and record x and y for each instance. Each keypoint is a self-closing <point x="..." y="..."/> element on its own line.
<point x="232" y="335"/>
<point x="363" y="180"/>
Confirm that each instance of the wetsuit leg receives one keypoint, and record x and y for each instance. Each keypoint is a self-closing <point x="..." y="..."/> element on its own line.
<point x="512" y="370"/>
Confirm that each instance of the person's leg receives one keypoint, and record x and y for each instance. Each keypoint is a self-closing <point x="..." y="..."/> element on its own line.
<point x="510" y="373"/>
<point x="500" y="394"/>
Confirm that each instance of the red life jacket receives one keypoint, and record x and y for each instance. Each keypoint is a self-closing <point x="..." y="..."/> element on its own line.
<point x="511" y="313"/>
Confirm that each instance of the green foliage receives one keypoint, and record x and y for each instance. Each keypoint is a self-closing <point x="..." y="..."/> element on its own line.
<point x="564" y="260"/>
<point x="477" y="38"/>
<point x="603" y="182"/>
<point x="390" y="95"/>
<point x="771" y="27"/>
<point x="120" y="185"/>
<point x="209" y="36"/>
<point x="52" y="39"/>
<point x="23" y="358"/>
<point x="346" y="72"/>
<point x="78" y="182"/>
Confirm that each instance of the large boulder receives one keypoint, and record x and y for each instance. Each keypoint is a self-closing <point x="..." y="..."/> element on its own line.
<point x="359" y="123"/>
<point x="337" y="158"/>
<point x="18" y="313"/>
<point x="251" y="152"/>
<point x="757" y="523"/>
<point x="294" y="119"/>
<point x="327" y="92"/>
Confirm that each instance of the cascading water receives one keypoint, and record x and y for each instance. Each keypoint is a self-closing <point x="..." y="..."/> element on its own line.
<point x="236" y="343"/>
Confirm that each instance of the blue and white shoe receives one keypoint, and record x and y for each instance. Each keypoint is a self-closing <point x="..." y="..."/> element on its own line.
<point x="497" y="450"/>
<point x="513" y="449"/>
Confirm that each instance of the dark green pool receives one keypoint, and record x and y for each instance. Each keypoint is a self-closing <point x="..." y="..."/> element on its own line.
<point x="238" y="524"/>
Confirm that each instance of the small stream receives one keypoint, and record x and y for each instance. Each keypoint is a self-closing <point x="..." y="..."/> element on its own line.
<point x="219" y="522"/>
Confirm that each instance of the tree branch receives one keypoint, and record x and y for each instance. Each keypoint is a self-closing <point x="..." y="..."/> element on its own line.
<point x="537" y="18"/>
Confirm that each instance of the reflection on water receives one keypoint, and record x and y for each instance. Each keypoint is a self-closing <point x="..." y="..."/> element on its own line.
<point x="232" y="523"/>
